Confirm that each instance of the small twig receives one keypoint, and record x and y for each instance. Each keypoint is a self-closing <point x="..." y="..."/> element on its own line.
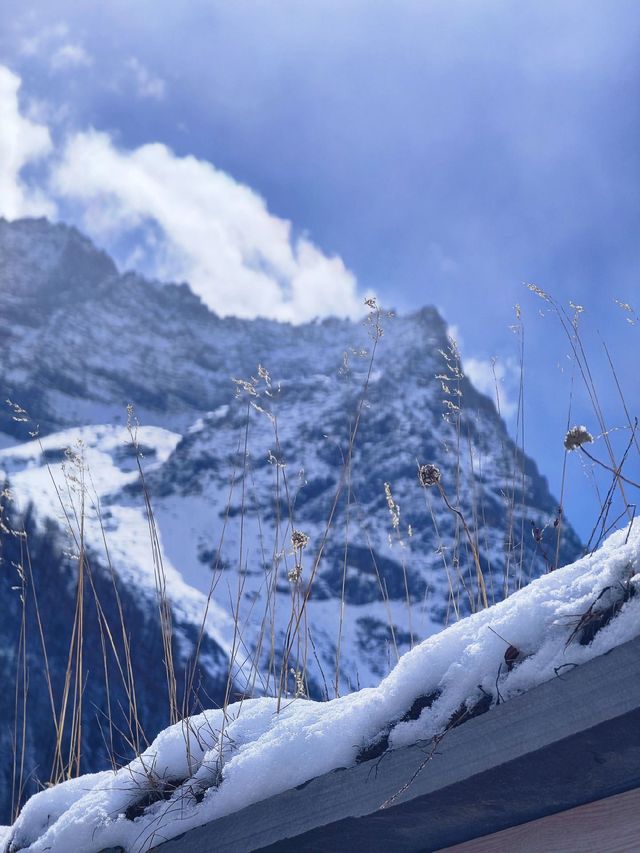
<point x="633" y="515"/>
<point x="557" y="669"/>
<point x="435" y="741"/>
<point x="377" y="764"/>
<point x="472" y="544"/>
<point x="587" y="616"/>
<point x="615" y="471"/>
<point x="493" y="631"/>
<point x="498" y="694"/>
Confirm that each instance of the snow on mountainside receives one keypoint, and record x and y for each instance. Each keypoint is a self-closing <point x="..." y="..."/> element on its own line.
<point x="36" y="471"/>
<point x="40" y="524"/>
<point x="255" y="751"/>
<point x="79" y="342"/>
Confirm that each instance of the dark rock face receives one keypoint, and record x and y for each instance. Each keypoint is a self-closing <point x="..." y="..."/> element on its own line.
<point x="79" y="341"/>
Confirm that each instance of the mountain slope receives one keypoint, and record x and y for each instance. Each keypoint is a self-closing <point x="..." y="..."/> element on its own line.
<point x="232" y="469"/>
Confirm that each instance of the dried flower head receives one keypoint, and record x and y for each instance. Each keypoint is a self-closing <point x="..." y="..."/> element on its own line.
<point x="248" y="386"/>
<point x="539" y="292"/>
<point x="394" y="509"/>
<point x="299" y="540"/>
<point x="429" y="475"/>
<point x="298" y="679"/>
<point x="633" y="318"/>
<point x="576" y="437"/>
<point x="19" y="414"/>
<point x="294" y="574"/>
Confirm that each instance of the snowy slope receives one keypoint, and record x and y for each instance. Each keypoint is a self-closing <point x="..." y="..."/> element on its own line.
<point x="59" y="495"/>
<point x="257" y="751"/>
<point x="55" y="475"/>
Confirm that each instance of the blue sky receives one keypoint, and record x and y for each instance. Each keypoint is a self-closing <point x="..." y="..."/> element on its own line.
<point x="432" y="152"/>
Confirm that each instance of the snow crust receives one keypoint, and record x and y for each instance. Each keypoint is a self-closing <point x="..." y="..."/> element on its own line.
<point x="216" y="762"/>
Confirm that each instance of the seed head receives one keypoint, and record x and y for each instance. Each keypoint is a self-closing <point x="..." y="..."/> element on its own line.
<point x="576" y="437"/>
<point x="294" y="574"/>
<point x="394" y="509"/>
<point x="429" y="475"/>
<point x="299" y="540"/>
<point x="298" y="678"/>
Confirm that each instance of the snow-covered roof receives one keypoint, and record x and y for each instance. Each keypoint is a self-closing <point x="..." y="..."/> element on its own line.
<point x="216" y="764"/>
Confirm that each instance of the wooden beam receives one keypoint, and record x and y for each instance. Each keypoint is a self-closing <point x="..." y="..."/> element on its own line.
<point x="611" y="825"/>
<point x="569" y="741"/>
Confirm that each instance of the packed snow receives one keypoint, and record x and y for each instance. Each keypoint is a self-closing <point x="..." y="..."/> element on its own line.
<point x="217" y="763"/>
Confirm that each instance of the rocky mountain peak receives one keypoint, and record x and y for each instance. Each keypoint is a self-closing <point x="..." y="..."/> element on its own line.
<point x="48" y="262"/>
<point x="232" y="475"/>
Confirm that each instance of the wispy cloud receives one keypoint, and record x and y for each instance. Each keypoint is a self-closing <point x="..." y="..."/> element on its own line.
<point x="148" y="85"/>
<point x="495" y="378"/>
<point x="70" y="56"/>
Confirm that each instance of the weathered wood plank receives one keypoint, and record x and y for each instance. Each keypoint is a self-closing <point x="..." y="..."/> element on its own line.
<point x="611" y="825"/>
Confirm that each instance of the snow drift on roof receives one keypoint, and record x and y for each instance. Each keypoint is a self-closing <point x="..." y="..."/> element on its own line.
<point x="217" y="763"/>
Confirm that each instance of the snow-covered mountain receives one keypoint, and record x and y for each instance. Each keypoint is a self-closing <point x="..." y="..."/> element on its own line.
<point x="232" y="469"/>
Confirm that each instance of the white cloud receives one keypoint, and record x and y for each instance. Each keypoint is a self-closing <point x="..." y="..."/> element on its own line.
<point x="70" y="56"/>
<point x="453" y="331"/>
<point x="495" y="379"/>
<point x="195" y="222"/>
<point x="217" y="233"/>
<point x="491" y="376"/>
<point x="148" y="85"/>
<point x="21" y="142"/>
